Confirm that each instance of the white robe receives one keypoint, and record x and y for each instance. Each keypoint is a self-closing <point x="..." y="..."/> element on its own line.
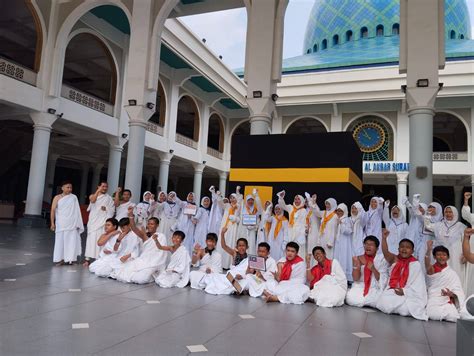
<point x="106" y="264"/>
<point x="198" y="278"/>
<point x="186" y="225"/>
<point x="414" y="300"/>
<point x="355" y="295"/>
<point x="373" y="224"/>
<point x="330" y="290"/>
<point x="438" y="307"/>
<point x="358" y="230"/>
<point x="313" y="231"/>
<point x="231" y="234"/>
<point x="256" y="285"/>
<point x="466" y="215"/>
<point x="343" y="249"/>
<point x="168" y="216"/>
<point x="249" y="232"/>
<point x="142" y="213"/>
<point x="262" y="233"/>
<point x="121" y="211"/>
<point x="215" y="216"/>
<point x="397" y="227"/>
<point x="297" y="232"/>
<point x="177" y="271"/>
<point x="69" y="226"/>
<point x="96" y="223"/>
<point x="278" y="243"/>
<point x="201" y="229"/>
<point x="294" y="290"/>
<point x="141" y="270"/>
<point x="218" y="284"/>
<point x="327" y="237"/>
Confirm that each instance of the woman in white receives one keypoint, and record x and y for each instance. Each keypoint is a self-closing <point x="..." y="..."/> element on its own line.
<point x="313" y="223"/>
<point x="395" y="223"/>
<point x="186" y="222"/>
<point x="329" y="224"/>
<point x="278" y="235"/>
<point x="252" y="207"/>
<point x="168" y="216"/>
<point x="201" y="221"/>
<point x="117" y="251"/>
<point x="358" y="220"/>
<point x="373" y="225"/>
<point x="143" y="209"/>
<point x="217" y="210"/>
<point x="296" y="222"/>
<point x="230" y="222"/>
<point x="66" y="222"/>
<point x="449" y="233"/>
<point x="157" y="206"/>
<point x="343" y="248"/>
<point x="265" y="224"/>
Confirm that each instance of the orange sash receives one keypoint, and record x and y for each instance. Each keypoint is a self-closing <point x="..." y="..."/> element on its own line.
<point x="279" y="224"/>
<point x="231" y="212"/>
<point x="253" y="212"/>
<point x="308" y="217"/>
<point x="292" y="214"/>
<point x="326" y="219"/>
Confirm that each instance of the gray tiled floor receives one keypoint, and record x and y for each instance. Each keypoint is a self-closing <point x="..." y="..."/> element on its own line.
<point x="37" y="312"/>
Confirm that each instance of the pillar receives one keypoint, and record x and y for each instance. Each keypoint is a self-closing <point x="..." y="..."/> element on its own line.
<point x="336" y="119"/>
<point x="402" y="181"/>
<point x="84" y="180"/>
<point x="222" y="182"/>
<point x="458" y="196"/>
<point x="49" y="180"/>
<point x="165" y="161"/>
<point x="197" y="182"/>
<point x="115" y="158"/>
<point x="263" y="58"/>
<point x="39" y="158"/>
<point x="96" y="176"/>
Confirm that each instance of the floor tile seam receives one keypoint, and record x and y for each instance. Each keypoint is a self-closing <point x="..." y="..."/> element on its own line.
<point x="363" y="328"/>
<point x="428" y="340"/>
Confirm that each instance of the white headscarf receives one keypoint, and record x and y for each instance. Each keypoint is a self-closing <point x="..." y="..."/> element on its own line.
<point x="401" y="217"/>
<point x="162" y="192"/>
<point x="281" y="209"/>
<point x="455" y="216"/>
<point x="173" y="201"/>
<point x="193" y="198"/>
<point x="439" y="212"/>
<point x="302" y="202"/>
<point x="144" y="194"/>
<point x="343" y="207"/>
<point x="332" y="203"/>
<point x="359" y="208"/>
<point x="202" y="202"/>
<point x="377" y="199"/>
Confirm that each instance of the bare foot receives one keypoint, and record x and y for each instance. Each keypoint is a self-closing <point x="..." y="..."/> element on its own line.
<point x="85" y="264"/>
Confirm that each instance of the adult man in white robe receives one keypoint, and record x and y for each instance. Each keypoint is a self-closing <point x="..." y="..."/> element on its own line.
<point x="327" y="280"/>
<point x="288" y="285"/>
<point x="101" y="207"/>
<point x="122" y="205"/>
<point x="370" y="275"/>
<point x="66" y="222"/>
<point x="257" y="280"/>
<point x="176" y="273"/>
<point x="151" y="261"/>
<point x="445" y="293"/>
<point x="296" y="222"/>
<point x="405" y="293"/>
<point x="209" y="261"/>
<point x="117" y="251"/>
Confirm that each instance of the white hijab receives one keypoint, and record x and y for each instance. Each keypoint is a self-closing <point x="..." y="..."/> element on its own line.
<point x="439" y="212"/>
<point x="343" y="207"/>
<point x="401" y="217"/>
<point x="360" y="210"/>
<point x="333" y="204"/>
<point x="455" y="216"/>
<point x="301" y="202"/>
<point x="144" y="194"/>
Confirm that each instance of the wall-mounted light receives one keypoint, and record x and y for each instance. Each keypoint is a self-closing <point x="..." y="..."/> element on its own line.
<point x="204" y="162"/>
<point x="60" y="115"/>
<point x="171" y="151"/>
<point x="220" y="57"/>
<point x="203" y="40"/>
<point x="257" y="94"/>
<point x="124" y="135"/>
<point x="132" y="102"/>
<point x="422" y="83"/>
<point x="51" y="111"/>
<point x="150" y="106"/>
<point x="274" y="97"/>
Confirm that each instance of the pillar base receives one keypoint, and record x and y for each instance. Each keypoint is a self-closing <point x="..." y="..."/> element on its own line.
<point x="32" y="221"/>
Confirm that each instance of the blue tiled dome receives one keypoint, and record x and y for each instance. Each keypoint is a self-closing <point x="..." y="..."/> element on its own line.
<point x="335" y="22"/>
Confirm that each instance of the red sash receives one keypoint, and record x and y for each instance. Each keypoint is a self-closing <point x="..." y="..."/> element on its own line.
<point x="319" y="271"/>
<point x="288" y="268"/>
<point x="367" y="273"/>
<point x="399" y="275"/>
<point x="438" y="268"/>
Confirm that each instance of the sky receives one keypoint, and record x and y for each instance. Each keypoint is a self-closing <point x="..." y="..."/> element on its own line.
<point x="224" y="31"/>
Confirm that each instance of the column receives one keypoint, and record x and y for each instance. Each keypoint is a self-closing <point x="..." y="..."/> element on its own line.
<point x="165" y="161"/>
<point x="84" y="180"/>
<point x="458" y="196"/>
<point x="222" y="182"/>
<point x="336" y="119"/>
<point x="49" y="181"/>
<point x="402" y="181"/>
<point x="39" y="158"/>
<point x="263" y="57"/>
<point x="197" y="183"/>
<point x="115" y="158"/>
<point x="96" y="176"/>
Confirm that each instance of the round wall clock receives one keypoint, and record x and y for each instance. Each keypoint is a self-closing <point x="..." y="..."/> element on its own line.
<point x="370" y="136"/>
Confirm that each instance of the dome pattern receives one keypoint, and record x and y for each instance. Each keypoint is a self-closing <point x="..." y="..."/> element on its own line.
<point x="334" y="22"/>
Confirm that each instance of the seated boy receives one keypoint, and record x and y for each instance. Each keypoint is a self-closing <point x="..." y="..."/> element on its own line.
<point x="370" y="274"/>
<point x="209" y="261"/>
<point x="327" y="280"/>
<point x="257" y="280"/>
<point x="406" y="290"/>
<point x="176" y="273"/>
<point x="288" y="285"/>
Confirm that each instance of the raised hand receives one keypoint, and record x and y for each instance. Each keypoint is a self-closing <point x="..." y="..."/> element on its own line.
<point x="387" y="203"/>
<point x="212" y="189"/>
<point x="385" y="233"/>
<point x="118" y="190"/>
<point x="429" y="245"/>
<point x="467" y="195"/>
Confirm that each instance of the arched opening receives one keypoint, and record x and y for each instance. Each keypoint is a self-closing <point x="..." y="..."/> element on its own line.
<point x="20" y="33"/>
<point x="242" y="129"/>
<point x="90" y="68"/>
<point x="452" y="34"/>
<point x="374" y="136"/>
<point x="395" y="29"/>
<point x="335" y="40"/>
<point x="449" y="133"/>
<point x="215" y="139"/>
<point x="364" y="32"/>
<point x="461" y="37"/>
<point x="315" y="48"/>
<point x="306" y="125"/>
<point x="379" y="31"/>
<point x="324" y="44"/>
<point x="160" y="107"/>
<point x="308" y="51"/>
<point x="187" y="123"/>
<point x="349" y="36"/>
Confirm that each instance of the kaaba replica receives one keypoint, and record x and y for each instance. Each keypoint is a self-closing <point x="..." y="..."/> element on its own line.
<point x="329" y="165"/>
